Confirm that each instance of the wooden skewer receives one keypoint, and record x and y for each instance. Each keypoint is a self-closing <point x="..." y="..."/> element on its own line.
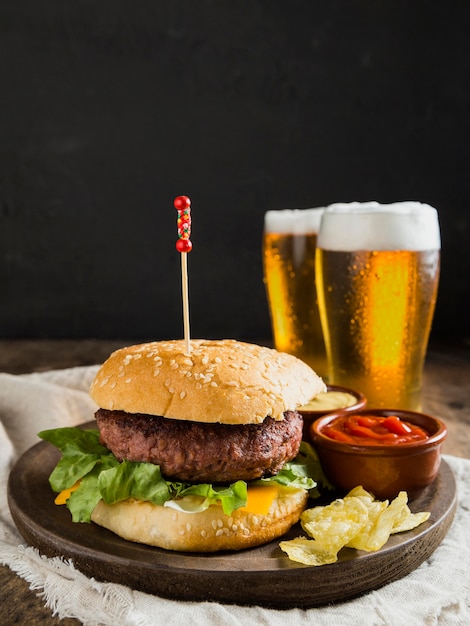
<point x="185" y="294"/>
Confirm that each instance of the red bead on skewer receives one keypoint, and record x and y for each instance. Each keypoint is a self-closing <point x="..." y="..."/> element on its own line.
<point x="184" y="245"/>
<point x="182" y="202"/>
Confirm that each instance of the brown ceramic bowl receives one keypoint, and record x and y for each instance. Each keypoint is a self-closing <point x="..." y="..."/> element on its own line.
<point x="383" y="469"/>
<point x="310" y="415"/>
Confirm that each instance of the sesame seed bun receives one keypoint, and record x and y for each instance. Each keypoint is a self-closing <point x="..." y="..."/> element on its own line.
<point x="224" y="381"/>
<point x="207" y="531"/>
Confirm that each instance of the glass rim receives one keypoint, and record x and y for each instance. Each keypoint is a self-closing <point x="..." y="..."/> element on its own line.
<point x="403" y="207"/>
<point x="292" y="221"/>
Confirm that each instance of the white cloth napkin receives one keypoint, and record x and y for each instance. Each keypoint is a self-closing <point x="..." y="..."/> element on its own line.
<point x="438" y="592"/>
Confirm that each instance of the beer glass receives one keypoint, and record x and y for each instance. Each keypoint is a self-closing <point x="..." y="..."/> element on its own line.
<point x="377" y="272"/>
<point x="289" y="243"/>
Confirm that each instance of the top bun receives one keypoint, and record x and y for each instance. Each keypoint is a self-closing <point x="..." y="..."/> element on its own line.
<point x="224" y="381"/>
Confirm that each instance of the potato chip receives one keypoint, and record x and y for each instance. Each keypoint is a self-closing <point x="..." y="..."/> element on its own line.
<point x="381" y="530"/>
<point x="333" y="525"/>
<point x="360" y="492"/>
<point x="411" y="521"/>
<point x="307" y="551"/>
<point x="361" y="540"/>
<point x="356" y="521"/>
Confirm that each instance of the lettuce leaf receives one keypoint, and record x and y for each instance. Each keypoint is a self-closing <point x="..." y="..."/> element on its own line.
<point x="303" y="472"/>
<point x="103" y="477"/>
<point x="83" y="500"/>
<point x="232" y="497"/>
<point x="142" y="481"/>
<point x="81" y="452"/>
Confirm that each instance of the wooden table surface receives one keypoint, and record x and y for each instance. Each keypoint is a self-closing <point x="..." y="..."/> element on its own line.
<point x="446" y="395"/>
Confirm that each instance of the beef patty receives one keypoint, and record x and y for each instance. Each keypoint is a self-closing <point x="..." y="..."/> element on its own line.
<point x="200" y="452"/>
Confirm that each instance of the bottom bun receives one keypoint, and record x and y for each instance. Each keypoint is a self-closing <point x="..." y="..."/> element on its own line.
<point x="207" y="531"/>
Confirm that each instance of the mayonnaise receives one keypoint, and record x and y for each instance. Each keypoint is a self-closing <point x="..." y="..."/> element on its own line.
<point x="329" y="401"/>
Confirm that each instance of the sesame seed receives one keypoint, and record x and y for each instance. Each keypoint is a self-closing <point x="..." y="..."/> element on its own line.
<point x="214" y="524"/>
<point x="128" y="380"/>
<point x="218" y="359"/>
<point x="113" y="384"/>
<point x="171" y="390"/>
<point x="156" y="372"/>
<point x="203" y="534"/>
<point x="167" y="382"/>
<point x="246" y="531"/>
<point x="214" y="384"/>
<point x="219" y="533"/>
<point x="198" y="386"/>
<point x="188" y="526"/>
<point x="205" y="360"/>
<point x="233" y="383"/>
<point x="183" y="395"/>
<point x="220" y="523"/>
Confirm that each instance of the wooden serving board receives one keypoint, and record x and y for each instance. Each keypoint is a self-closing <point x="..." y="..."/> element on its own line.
<point x="261" y="576"/>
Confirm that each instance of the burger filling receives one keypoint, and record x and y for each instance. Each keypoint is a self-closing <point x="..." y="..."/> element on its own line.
<point x="88" y="471"/>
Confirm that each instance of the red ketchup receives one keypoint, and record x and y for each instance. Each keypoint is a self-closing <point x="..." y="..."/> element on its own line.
<point x="373" y="430"/>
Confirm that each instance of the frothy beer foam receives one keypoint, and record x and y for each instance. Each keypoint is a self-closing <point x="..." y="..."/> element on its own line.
<point x="373" y="226"/>
<point x="293" y="221"/>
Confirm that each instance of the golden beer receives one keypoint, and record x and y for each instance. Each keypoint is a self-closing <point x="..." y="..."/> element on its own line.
<point x="289" y="276"/>
<point x="377" y="304"/>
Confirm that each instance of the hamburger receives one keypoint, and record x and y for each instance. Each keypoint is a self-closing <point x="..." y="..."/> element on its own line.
<point x="192" y="452"/>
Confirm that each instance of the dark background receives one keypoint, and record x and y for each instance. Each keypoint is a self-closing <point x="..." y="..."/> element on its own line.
<point x="110" y="109"/>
